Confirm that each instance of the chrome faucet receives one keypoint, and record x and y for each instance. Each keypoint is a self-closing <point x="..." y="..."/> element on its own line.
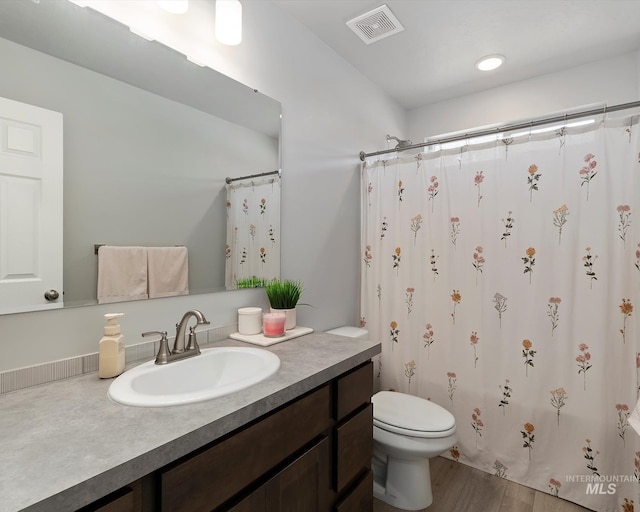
<point x="179" y="351"/>
<point x="179" y="345"/>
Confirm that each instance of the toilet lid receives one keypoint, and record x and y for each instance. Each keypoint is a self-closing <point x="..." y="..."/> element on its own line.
<point x="411" y="415"/>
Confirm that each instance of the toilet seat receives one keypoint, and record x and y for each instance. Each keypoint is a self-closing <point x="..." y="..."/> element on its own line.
<point x="410" y="415"/>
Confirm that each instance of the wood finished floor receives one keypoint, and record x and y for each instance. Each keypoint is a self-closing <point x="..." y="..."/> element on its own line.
<point x="460" y="488"/>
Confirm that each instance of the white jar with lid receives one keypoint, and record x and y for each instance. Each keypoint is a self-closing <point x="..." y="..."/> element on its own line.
<point x="250" y="320"/>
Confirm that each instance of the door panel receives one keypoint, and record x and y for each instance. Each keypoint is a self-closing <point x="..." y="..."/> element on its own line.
<point x="31" y="170"/>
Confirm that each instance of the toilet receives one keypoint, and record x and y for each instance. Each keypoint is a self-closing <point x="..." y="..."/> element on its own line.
<point x="407" y="432"/>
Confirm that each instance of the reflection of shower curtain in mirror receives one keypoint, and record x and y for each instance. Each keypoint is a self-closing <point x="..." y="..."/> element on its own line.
<point x="253" y="225"/>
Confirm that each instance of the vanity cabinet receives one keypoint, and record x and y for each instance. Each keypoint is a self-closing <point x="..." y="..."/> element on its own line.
<point x="311" y="455"/>
<point x="206" y="481"/>
<point x="298" y="487"/>
<point x="353" y="440"/>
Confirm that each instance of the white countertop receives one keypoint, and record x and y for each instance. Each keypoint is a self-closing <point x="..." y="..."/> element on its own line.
<point x="66" y="444"/>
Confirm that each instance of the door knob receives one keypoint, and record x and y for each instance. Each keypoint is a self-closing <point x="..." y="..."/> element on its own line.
<point x="51" y="295"/>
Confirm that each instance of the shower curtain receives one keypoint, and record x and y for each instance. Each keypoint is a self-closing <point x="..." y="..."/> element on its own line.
<point x="501" y="279"/>
<point x="253" y="237"/>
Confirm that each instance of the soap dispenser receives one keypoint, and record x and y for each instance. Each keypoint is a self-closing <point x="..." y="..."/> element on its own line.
<point x="111" y="348"/>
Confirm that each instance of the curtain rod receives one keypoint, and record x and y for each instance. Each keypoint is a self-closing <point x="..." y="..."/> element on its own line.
<point x="507" y="127"/>
<point x="231" y="180"/>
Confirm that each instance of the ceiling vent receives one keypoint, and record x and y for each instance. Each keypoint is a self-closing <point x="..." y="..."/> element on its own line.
<point x="375" y="25"/>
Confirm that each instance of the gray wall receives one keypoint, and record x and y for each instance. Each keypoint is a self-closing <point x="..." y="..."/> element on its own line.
<point x="330" y="113"/>
<point x="612" y="81"/>
<point x="138" y="169"/>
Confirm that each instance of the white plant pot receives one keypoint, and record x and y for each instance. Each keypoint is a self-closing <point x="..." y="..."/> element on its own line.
<point x="290" y="317"/>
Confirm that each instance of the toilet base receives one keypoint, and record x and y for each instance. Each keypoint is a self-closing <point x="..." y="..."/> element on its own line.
<point x="403" y="484"/>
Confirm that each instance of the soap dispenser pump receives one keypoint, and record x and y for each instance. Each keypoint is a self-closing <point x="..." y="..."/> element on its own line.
<point x="111" y="348"/>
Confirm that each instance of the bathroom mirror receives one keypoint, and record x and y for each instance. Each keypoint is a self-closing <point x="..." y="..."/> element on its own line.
<point x="149" y="137"/>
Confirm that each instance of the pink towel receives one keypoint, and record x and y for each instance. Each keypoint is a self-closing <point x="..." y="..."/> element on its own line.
<point x="122" y="274"/>
<point x="168" y="269"/>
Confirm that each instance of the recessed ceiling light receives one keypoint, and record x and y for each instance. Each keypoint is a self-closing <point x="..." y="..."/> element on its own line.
<point x="490" y="62"/>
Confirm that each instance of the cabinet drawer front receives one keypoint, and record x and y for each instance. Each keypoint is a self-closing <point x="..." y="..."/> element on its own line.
<point x="208" y="479"/>
<point x="124" y="503"/>
<point x="303" y="484"/>
<point x="353" y="390"/>
<point x="255" y="502"/>
<point x="360" y="499"/>
<point x="127" y="499"/>
<point x="354" y="447"/>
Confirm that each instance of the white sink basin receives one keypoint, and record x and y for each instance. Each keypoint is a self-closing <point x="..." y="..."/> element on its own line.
<point x="216" y="372"/>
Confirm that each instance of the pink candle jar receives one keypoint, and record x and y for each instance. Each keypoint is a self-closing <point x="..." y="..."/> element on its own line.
<point x="273" y="324"/>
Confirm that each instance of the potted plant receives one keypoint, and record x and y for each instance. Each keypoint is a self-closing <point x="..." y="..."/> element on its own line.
<point x="283" y="295"/>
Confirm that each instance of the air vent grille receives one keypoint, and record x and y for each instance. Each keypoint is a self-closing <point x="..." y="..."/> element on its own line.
<point x="375" y="25"/>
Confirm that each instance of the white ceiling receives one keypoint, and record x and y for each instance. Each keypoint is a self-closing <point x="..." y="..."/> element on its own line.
<point x="433" y="58"/>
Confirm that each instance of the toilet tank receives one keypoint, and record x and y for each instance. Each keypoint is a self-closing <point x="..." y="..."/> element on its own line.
<point x="350" y="332"/>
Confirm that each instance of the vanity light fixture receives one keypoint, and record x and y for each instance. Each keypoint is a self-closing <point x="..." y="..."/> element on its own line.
<point x="174" y="6"/>
<point x="228" y="24"/>
<point x="490" y="62"/>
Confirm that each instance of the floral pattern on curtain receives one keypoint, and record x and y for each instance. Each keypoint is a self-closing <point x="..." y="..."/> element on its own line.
<point x="253" y="224"/>
<point x="501" y="279"/>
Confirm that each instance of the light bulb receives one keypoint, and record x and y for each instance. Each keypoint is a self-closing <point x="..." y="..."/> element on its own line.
<point x="228" y="22"/>
<point x="490" y="62"/>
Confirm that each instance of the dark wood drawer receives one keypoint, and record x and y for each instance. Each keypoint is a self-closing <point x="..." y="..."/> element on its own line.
<point x="303" y="485"/>
<point x="360" y="498"/>
<point x="255" y="502"/>
<point x="300" y="487"/>
<point x="124" y="503"/>
<point x="127" y="499"/>
<point x="352" y="390"/>
<point x="208" y="479"/>
<point x="353" y="447"/>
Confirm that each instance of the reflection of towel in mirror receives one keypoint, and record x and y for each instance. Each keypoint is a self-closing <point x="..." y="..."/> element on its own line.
<point x="168" y="271"/>
<point x="122" y="274"/>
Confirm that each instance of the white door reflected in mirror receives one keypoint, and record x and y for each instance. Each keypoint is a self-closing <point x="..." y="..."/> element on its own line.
<point x="31" y="169"/>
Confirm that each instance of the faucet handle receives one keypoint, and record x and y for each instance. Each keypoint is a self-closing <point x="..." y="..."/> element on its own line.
<point x="163" y="352"/>
<point x="192" y="343"/>
<point x="151" y="333"/>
